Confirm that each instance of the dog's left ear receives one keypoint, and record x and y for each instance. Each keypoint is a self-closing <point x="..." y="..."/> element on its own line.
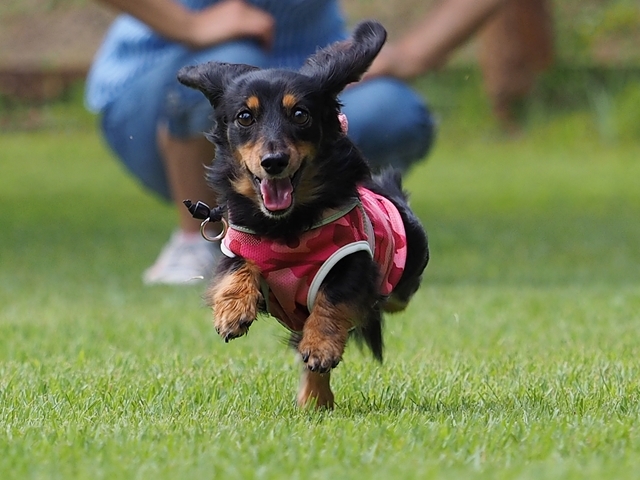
<point x="212" y="78"/>
<point x="345" y="62"/>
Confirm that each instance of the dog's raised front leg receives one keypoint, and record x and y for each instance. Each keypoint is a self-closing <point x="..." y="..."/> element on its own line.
<point x="234" y="295"/>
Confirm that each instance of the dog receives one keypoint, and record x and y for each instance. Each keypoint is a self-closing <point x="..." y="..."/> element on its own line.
<point x="315" y="239"/>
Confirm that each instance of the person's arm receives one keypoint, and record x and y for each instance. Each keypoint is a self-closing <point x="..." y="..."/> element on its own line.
<point x="428" y="44"/>
<point x="222" y="21"/>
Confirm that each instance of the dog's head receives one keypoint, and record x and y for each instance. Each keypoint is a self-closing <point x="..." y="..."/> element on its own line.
<point x="274" y="125"/>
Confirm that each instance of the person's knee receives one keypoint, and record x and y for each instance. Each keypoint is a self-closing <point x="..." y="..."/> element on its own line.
<point x="389" y="122"/>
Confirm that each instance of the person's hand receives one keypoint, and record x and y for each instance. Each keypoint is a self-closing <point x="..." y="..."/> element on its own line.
<point x="228" y="20"/>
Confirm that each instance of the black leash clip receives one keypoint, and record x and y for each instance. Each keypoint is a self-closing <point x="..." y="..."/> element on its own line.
<point x="201" y="211"/>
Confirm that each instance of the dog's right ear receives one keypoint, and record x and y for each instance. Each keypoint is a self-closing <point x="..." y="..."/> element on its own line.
<point x="212" y="78"/>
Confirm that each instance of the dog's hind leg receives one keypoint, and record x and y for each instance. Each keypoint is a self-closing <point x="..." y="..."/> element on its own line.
<point x="235" y="297"/>
<point x="315" y="390"/>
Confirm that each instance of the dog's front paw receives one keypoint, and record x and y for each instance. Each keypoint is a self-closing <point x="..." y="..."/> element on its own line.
<point x="235" y="300"/>
<point x="233" y="317"/>
<point x="320" y="354"/>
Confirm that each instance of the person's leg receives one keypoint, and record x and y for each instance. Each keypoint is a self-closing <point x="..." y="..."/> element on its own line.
<point x="389" y="122"/>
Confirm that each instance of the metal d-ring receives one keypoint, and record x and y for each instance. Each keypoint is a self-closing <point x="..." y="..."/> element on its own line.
<point x="218" y="237"/>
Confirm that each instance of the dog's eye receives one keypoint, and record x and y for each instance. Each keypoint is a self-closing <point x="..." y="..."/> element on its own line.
<point x="245" y="118"/>
<point x="300" y="116"/>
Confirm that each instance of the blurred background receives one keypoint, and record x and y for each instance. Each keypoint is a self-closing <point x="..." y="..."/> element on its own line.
<point x="46" y="48"/>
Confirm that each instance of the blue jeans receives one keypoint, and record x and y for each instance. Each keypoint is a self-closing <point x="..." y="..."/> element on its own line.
<point x="387" y="120"/>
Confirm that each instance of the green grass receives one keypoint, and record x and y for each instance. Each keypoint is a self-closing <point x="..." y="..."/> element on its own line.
<point x="517" y="359"/>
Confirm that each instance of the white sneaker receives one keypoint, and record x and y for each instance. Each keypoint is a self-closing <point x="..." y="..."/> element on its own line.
<point x="185" y="259"/>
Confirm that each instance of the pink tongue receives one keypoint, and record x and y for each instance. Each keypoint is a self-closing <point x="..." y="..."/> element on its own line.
<point x="276" y="193"/>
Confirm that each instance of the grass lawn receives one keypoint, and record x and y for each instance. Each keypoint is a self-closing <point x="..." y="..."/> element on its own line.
<point x="517" y="359"/>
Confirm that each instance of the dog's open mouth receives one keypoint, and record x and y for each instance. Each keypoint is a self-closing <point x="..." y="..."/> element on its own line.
<point x="277" y="193"/>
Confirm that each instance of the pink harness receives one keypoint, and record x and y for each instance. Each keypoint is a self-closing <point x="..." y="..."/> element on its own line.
<point x="293" y="272"/>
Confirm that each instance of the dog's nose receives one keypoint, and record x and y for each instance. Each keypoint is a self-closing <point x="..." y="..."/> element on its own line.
<point x="275" y="163"/>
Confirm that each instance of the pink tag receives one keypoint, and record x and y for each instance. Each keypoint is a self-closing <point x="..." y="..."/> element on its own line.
<point x="344" y="123"/>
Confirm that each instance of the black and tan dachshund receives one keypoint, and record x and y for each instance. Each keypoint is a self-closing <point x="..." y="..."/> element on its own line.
<point x="314" y="238"/>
